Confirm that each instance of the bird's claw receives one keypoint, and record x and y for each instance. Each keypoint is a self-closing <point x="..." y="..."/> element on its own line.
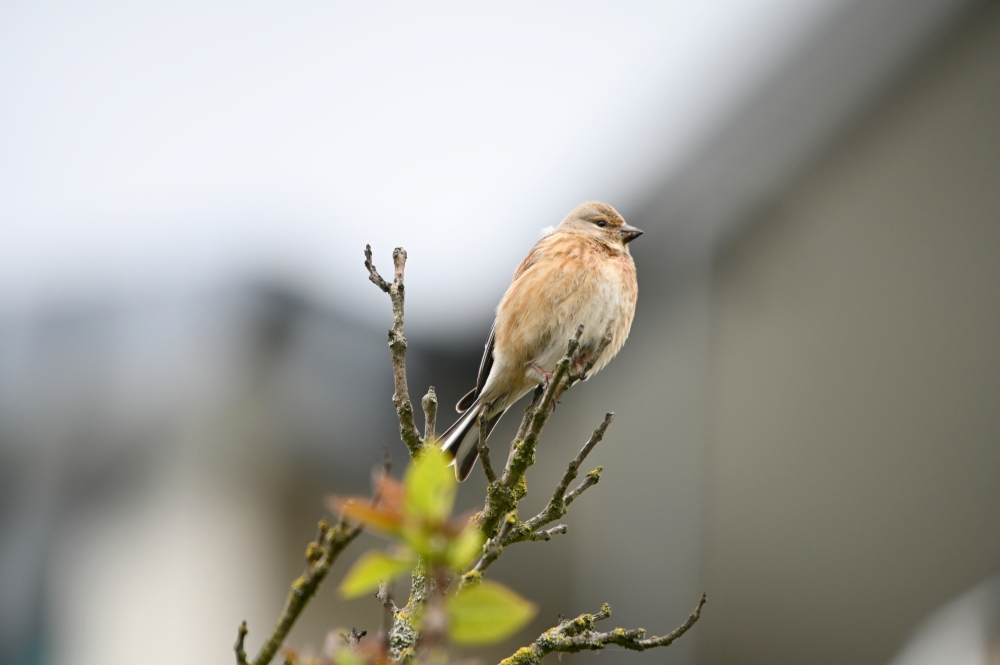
<point x="546" y="376"/>
<point x="579" y="364"/>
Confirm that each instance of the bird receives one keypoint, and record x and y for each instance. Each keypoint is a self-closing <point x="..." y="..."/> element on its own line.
<point x="581" y="273"/>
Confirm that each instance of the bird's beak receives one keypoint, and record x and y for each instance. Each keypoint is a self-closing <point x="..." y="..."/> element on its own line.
<point x="629" y="233"/>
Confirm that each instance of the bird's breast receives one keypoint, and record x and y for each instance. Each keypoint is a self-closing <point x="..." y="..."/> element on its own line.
<point x="571" y="284"/>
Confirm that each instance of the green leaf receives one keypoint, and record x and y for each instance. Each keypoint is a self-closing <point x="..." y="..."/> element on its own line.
<point x="464" y="549"/>
<point x="373" y="568"/>
<point x="487" y="613"/>
<point x="430" y="487"/>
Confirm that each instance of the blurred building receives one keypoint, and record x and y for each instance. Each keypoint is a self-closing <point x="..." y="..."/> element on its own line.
<point x="808" y="410"/>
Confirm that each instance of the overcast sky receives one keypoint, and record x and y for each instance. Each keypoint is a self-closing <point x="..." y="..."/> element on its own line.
<point x="149" y="149"/>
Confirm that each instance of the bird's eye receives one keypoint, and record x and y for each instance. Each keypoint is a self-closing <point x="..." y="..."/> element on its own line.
<point x="602" y="223"/>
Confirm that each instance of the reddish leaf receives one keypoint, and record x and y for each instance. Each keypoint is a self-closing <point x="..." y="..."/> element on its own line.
<point x="361" y="511"/>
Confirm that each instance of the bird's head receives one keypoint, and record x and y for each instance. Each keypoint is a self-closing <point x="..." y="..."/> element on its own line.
<point x="602" y="222"/>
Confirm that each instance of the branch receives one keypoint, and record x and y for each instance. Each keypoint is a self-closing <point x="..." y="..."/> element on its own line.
<point x="559" y="504"/>
<point x="504" y="494"/>
<point x="523" y="454"/>
<point x="430" y="406"/>
<point x="592" y="479"/>
<point x="320" y="555"/>
<point x="397" y="345"/>
<point x="373" y="275"/>
<point x="579" y="635"/>
<point x="405" y="631"/>
<point x="389" y="611"/>
<point x="491" y="550"/>
<point x="513" y="531"/>
<point x="241" y="636"/>
<point x="574" y="466"/>
<point x="484" y="449"/>
<point x="529" y="410"/>
<point x="548" y="533"/>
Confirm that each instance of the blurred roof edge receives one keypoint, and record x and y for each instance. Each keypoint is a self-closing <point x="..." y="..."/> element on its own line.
<point x="843" y="71"/>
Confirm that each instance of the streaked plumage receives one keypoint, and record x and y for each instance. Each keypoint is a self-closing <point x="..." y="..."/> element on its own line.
<point x="581" y="273"/>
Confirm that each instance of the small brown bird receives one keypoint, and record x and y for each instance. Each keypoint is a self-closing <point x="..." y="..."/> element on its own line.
<point x="581" y="273"/>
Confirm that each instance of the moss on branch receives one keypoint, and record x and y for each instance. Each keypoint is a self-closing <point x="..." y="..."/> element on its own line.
<point x="504" y="495"/>
<point x="581" y="634"/>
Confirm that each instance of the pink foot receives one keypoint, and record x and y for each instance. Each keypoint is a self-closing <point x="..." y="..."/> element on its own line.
<point x="546" y="376"/>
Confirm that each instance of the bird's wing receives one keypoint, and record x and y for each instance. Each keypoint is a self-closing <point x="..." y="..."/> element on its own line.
<point x="486" y="364"/>
<point x="531" y="259"/>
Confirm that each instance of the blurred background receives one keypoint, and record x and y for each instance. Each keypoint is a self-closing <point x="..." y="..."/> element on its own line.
<point x="191" y="356"/>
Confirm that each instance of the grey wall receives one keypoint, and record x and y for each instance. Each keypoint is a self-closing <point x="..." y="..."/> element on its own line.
<point x="853" y="479"/>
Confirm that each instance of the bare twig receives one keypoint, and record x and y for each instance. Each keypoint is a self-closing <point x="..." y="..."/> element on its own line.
<point x="404" y="634"/>
<point x="529" y="410"/>
<point x="579" y="635"/>
<point x="548" y="533"/>
<point x="484" y="450"/>
<point x="241" y="636"/>
<point x="592" y="479"/>
<point x="559" y="504"/>
<point x="574" y="466"/>
<point x="386" y="463"/>
<point x="397" y="344"/>
<point x="430" y="406"/>
<point x="320" y="555"/>
<point x="389" y="611"/>
<point x="373" y="275"/>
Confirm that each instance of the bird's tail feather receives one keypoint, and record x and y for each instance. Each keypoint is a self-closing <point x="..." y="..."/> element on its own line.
<point x="461" y="441"/>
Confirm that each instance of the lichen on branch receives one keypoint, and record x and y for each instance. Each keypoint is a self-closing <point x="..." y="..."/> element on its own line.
<point x="561" y="499"/>
<point x="580" y="634"/>
<point x="505" y="492"/>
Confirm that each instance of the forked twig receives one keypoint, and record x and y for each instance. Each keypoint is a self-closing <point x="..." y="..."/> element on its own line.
<point x="397" y="344"/>
<point x="580" y="635"/>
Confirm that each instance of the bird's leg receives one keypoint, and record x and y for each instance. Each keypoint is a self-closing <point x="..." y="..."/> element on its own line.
<point x="546" y="380"/>
<point x="545" y="376"/>
<point x="588" y="359"/>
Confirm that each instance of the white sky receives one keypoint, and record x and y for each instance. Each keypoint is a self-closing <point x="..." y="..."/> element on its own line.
<point x="162" y="148"/>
